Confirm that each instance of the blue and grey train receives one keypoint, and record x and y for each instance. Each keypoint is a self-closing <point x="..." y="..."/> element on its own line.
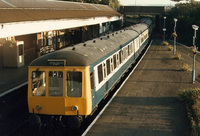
<point x="69" y="84"/>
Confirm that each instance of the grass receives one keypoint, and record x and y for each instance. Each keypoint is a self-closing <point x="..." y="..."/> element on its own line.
<point x="192" y="99"/>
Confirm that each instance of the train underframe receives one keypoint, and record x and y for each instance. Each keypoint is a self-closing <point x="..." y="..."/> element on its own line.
<point x="37" y="121"/>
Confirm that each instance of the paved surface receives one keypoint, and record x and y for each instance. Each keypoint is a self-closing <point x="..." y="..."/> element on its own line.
<point x="147" y="104"/>
<point x="12" y="77"/>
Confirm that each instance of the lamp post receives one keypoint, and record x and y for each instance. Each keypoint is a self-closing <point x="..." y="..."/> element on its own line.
<point x="175" y="20"/>
<point x="195" y="27"/>
<point x="164" y="29"/>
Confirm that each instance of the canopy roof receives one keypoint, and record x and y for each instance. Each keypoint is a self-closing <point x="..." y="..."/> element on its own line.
<point x="37" y="10"/>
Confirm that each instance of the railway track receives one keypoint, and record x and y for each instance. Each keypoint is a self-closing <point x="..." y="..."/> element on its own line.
<point x="14" y="110"/>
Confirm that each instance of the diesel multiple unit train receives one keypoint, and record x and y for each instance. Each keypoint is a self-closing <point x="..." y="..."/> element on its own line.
<point x="67" y="85"/>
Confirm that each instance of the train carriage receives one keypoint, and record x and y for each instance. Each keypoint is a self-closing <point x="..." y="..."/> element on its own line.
<point x="69" y="84"/>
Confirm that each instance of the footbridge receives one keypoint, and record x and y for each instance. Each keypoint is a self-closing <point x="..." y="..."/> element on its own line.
<point x="143" y="10"/>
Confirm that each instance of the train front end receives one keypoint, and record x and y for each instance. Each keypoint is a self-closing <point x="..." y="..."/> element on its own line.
<point x="60" y="92"/>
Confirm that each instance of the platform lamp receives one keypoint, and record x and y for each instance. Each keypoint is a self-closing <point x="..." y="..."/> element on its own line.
<point x="175" y="20"/>
<point x="164" y="29"/>
<point x="195" y="27"/>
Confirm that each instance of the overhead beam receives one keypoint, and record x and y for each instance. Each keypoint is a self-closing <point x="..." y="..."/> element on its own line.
<point x="149" y="10"/>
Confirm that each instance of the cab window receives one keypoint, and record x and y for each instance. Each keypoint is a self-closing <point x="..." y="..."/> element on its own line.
<point x="74" y="84"/>
<point x="38" y="83"/>
<point x="55" y="83"/>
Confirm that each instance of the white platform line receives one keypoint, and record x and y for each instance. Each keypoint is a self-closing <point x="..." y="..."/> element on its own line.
<point x="94" y="121"/>
<point x="13" y="89"/>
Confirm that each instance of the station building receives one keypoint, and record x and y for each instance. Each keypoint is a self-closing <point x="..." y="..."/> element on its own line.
<point x="29" y="29"/>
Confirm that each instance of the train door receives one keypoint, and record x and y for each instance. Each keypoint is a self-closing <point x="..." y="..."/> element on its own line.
<point x="92" y="82"/>
<point x="137" y="46"/>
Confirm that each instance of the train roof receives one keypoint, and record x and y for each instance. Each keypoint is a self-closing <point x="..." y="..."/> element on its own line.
<point x="85" y="54"/>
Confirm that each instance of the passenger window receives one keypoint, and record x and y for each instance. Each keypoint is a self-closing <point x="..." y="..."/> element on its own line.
<point x="115" y="61"/>
<point x="38" y="83"/>
<point x="128" y="50"/>
<point x="74" y="84"/>
<point x="104" y="70"/>
<point x="108" y="66"/>
<point x="100" y="73"/>
<point x="55" y="83"/>
<point x="133" y="47"/>
<point x="120" y="57"/>
<point x="111" y="60"/>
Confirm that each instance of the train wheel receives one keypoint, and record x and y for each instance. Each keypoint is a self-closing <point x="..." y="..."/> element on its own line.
<point x="73" y="122"/>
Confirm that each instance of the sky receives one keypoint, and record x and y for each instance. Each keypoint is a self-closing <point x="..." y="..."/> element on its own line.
<point x="148" y="2"/>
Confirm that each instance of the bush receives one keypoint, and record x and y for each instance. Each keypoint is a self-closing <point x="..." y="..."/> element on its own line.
<point x="178" y="56"/>
<point x="165" y="43"/>
<point x="192" y="99"/>
<point x="170" y="48"/>
<point x="185" y="67"/>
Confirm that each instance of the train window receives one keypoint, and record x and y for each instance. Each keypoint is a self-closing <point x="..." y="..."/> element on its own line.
<point x="92" y="80"/>
<point x="108" y="66"/>
<point x="120" y="57"/>
<point x="100" y="73"/>
<point x="111" y="64"/>
<point x="104" y="70"/>
<point x="55" y="83"/>
<point x="133" y="47"/>
<point x="74" y="84"/>
<point x="128" y="50"/>
<point x="115" y="61"/>
<point x="38" y="83"/>
<point x="124" y="53"/>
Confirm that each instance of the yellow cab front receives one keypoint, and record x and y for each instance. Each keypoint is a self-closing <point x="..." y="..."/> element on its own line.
<point x="59" y="90"/>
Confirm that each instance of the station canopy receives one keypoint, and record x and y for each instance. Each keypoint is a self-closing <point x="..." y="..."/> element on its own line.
<point x="18" y="17"/>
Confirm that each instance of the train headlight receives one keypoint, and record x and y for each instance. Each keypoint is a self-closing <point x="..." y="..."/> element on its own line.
<point x="75" y="108"/>
<point x="38" y="107"/>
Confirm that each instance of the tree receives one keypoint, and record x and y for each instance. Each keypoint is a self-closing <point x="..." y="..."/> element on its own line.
<point x="187" y="15"/>
<point x="191" y="1"/>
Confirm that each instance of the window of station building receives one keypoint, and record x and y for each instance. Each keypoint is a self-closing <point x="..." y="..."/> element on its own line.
<point x="108" y="66"/>
<point x="38" y="83"/>
<point x="115" y="61"/>
<point x="100" y="73"/>
<point x="55" y="83"/>
<point x="74" y="84"/>
<point x="20" y="47"/>
<point x="92" y="80"/>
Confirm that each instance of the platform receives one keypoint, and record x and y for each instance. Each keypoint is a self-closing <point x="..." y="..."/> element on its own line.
<point x="12" y="77"/>
<point x="147" y="104"/>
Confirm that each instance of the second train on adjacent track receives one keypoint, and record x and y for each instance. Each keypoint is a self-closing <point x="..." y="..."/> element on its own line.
<point x="67" y="85"/>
